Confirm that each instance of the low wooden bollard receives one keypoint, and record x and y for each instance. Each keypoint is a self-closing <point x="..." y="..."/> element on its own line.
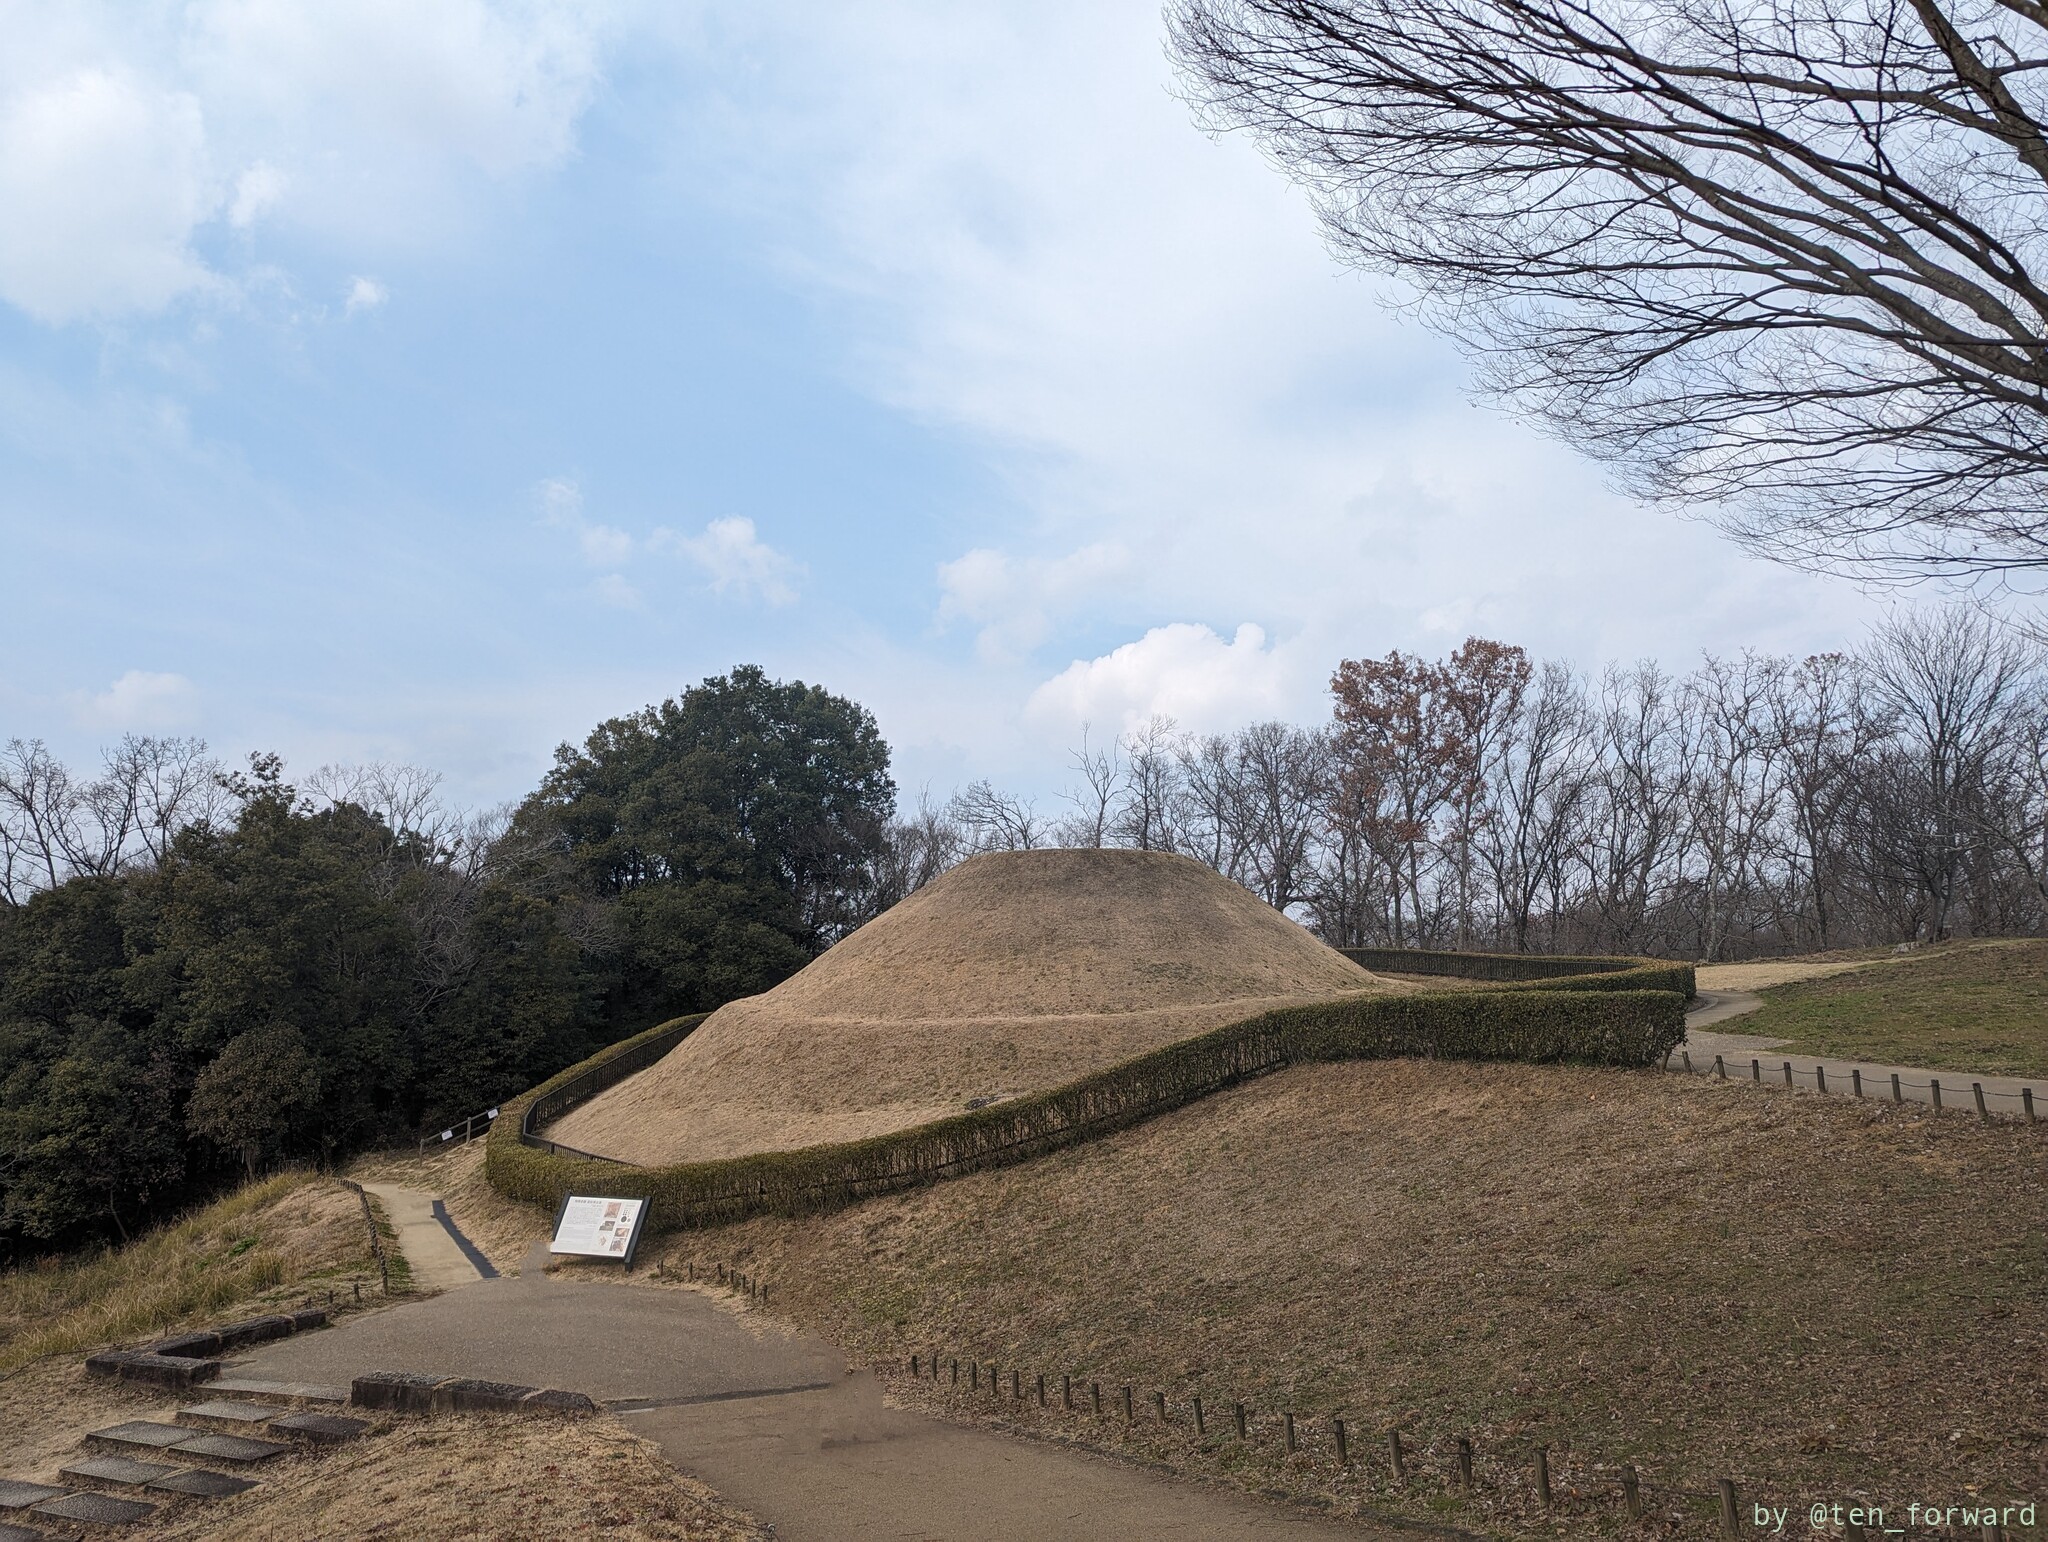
<point x="2027" y="1102"/>
<point x="1934" y="1086"/>
<point x="1756" y="1072"/>
<point x="1159" y="1402"/>
<point x="1017" y="1384"/>
<point x="1788" y="1075"/>
<point x="1201" y="1428"/>
<point x="1067" y="1393"/>
<point x="1464" y="1462"/>
<point x="1731" y="1522"/>
<point x="956" y="1372"/>
<point x="913" y="1367"/>
<point x="1856" y="1080"/>
<point x="1720" y="1068"/>
<point x="1239" y="1410"/>
<point x="1343" y="1451"/>
<point x="1129" y="1417"/>
<point x="1898" y="1095"/>
<point x="973" y="1375"/>
<point x="1977" y="1092"/>
<point x="1397" y="1459"/>
<point x="1631" y="1494"/>
<point x="1543" y="1475"/>
<point x="1095" y="1397"/>
<point x="1041" y="1392"/>
<point x="1820" y="1077"/>
<point x="1292" y="1444"/>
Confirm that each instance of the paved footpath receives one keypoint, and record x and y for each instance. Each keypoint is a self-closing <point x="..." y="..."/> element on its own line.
<point x="776" y="1421"/>
<point x="1748" y="1056"/>
<point x="438" y="1255"/>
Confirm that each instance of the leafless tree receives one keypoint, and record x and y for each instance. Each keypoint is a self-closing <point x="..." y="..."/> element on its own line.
<point x="992" y="820"/>
<point x="1095" y="798"/>
<point x="55" y="826"/>
<point x="1150" y="814"/>
<point x="1785" y="259"/>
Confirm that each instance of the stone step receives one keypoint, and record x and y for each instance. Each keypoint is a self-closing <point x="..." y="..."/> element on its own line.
<point x="318" y="1429"/>
<point x="227" y="1415"/>
<point x="116" y="1472"/>
<point x="236" y="1450"/>
<point x="180" y="1441"/>
<point x="259" y="1391"/>
<point x="198" y="1483"/>
<point x="94" y="1510"/>
<point x="17" y="1498"/>
<point x="11" y="1533"/>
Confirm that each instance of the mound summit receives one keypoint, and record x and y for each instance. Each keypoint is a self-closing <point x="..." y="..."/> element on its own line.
<point x="1012" y="973"/>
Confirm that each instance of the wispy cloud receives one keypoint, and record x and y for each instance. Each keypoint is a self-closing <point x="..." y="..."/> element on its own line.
<point x="364" y="294"/>
<point x="732" y="555"/>
<point x="1016" y="601"/>
<point x="140" y="701"/>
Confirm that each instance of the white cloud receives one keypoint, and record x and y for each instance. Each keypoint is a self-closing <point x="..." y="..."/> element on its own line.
<point x="257" y="191"/>
<point x="735" y="559"/>
<point x="364" y="294"/>
<point x="1015" y="601"/>
<point x="102" y="181"/>
<point x="561" y="508"/>
<point x="1183" y="671"/>
<point x="127" y="130"/>
<point x="140" y="702"/>
<point x="616" y="591"/>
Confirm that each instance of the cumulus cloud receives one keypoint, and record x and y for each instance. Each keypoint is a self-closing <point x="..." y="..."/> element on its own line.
<point x="141" y="701"/>
<point x="364" y="294"/>
<point x="1015" y="601"/>
<point x="732" y="555"/>
<point x="1183" y="671"/>
<point x="102" y="181"/>
<point x="128" y="131"/>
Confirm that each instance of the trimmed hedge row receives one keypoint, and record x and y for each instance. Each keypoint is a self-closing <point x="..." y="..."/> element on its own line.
<point x="1625" y="1027"/>
<point x="1539" y="970"/>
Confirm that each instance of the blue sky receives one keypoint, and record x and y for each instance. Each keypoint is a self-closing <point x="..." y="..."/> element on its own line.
<point x="427" y="381"/>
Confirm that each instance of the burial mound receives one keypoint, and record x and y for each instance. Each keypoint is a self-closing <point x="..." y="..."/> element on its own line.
<point x="1012" y="973"/>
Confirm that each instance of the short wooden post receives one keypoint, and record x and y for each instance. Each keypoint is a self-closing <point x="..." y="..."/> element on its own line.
<point x="1934" y="1085"/>
<point x="1016" y="1384"/>
<point x="1292" y="1444"/>
<point x="1756" y="1072"/>
<point x="1898" y="1096"/>
<point x="1201" y="1426"/>
<point x="1720" y="1068"/>
<point x="1788" y="1073"/>
<point x="913" y="1367"/>
<point x="1820" y="1077"/>
<point x="1067" y="1393"/>
<point x="1095" y="1397"/>
<point x="973" y="1375"/>
<point x="1731" y="1524"/>
<point x="358" y="1285"/>
<point x="2027" y="1102"/>
<point x="1397" y="1459"/>
<point x="1977" y="1092"/>
<point x="1631" y="1494"/>
<point x="1343" y="1452"/>
<point x="956" y="1373"/>
<point x="1041" y="1392"/>
<point x="1464" y="1462"/>
<point x="1688" y="1061"/>
<point x="1159" y="1402"/>
<point x="1238" y="1409"/>
<point x="1543" y="1475"/>
<point x="1851" y="1532"/>
<point x="1129" y="1417"/>
<point x="1856" y="1080"/>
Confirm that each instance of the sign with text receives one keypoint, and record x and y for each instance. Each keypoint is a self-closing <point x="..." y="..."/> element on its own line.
<point x="594" y="1227"/>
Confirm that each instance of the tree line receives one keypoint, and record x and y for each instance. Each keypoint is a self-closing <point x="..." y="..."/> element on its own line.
<point x="205" y="970"/>
<point x="1758" y="804"/>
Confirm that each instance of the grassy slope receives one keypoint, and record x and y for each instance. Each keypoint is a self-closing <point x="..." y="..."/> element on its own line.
<point x="1970" y="1008"/>
<point x="270" y="1241"/>
<point x="1810" y="1296"/>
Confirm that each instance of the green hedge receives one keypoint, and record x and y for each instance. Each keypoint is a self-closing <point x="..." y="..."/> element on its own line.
<point x="1622" y="1027"/>
<point x="1533" y="970"/>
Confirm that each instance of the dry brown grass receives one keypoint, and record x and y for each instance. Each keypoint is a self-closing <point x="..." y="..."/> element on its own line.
<point x="505" y="1230"/>
<point x="1014" y="972"/>
<point x="490" y="1476"/>
<point x="267" y="1241"/>
<point x="1813" y="1297"/>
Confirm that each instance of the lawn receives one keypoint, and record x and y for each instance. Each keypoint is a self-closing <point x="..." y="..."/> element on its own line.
<point x="1974" y="1007"/>
<point x="1811" y="1297"/>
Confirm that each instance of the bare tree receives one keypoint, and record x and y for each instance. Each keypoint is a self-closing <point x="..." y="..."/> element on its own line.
<point x="1784" y="258"/>
<point x="1102" y="773"/>
<point x="54" y="827"/>
<point x="1151" y="813"/>
<point x="992" y="820"/>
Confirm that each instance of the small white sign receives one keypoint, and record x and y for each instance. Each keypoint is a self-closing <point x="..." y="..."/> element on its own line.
<point x="595" y="1227"/>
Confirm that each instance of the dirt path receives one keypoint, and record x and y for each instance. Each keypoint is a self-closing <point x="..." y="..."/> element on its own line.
<point x="438" y="1255"/>
<point x="775" y="1420"/>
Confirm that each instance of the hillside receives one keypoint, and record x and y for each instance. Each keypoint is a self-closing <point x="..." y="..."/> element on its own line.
<point x="1809" y="1296"/>
<point x="1013" y="972"/>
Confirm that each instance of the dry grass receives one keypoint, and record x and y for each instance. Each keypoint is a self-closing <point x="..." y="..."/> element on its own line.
<point x="1816" y="1298"/>
<point x="504" y="1230"/>
<point x="502" y="1476"/>
<point x="1014" y="972"/>
<point x="264" y="1242"/>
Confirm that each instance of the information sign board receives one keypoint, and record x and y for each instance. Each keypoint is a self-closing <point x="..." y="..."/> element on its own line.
<point x="595" y="1227"/>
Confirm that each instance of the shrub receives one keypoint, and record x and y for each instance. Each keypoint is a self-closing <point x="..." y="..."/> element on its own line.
<point x="1559" y="1020"/>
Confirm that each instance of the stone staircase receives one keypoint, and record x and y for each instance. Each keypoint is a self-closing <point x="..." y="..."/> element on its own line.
<point x="127" y="1471"/>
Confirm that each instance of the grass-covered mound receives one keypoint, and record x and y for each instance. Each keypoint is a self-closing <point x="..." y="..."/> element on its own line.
<point x="1012" y="973"/>
<point x="1813" y="1297"/>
